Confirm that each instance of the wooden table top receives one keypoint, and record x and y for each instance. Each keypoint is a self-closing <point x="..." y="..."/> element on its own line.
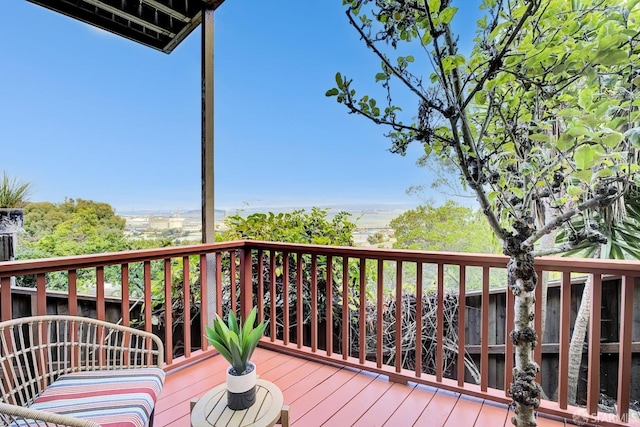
<point x="212" y="410"/>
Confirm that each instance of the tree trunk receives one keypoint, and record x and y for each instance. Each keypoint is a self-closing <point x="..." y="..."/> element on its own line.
<point x="524" y="389"/>
<point x="579" y="335"/>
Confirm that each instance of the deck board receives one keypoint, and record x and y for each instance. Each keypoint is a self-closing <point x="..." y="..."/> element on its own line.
<point x="412" y="407"/>
<point x="319" y="394"/>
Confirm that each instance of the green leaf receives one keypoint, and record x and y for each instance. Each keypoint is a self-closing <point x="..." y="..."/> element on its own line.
<point x="634" y="136"/>
<point x="584" y="156"/>
<point x="574" y="190"/>
<point x="339" y="81"/>
<point x="540" y="137"/>
<point x="517" y="192"/>
<point x="331" y="92"/>
<point x="447" y="14"/>
<point x="220" y="347"/>
<point x="584" y="175"/>
<point x="409" y="58"/>
<point x="578" y="131"/>
<point x="585" y="97"/>
<point x="232" y="321"/>
<point x="612" y="139"/>
<point x="380" y="77"/>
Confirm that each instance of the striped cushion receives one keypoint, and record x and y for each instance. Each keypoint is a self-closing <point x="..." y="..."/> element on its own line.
<point x="117" y="398"/>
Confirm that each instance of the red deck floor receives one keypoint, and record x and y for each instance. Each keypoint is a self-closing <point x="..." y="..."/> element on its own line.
<point x="322" y="395"/>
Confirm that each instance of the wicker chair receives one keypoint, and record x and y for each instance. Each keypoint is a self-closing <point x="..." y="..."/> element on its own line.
<point x="50" y="364"/>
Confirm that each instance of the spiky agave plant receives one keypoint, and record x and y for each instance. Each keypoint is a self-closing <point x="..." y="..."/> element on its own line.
<point x="236" y="340"/>
<point x="13" y="193"/>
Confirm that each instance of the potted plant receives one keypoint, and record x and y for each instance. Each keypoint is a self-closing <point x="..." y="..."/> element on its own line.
<point x="13" y="195"/>
<point x="236" y="342"/>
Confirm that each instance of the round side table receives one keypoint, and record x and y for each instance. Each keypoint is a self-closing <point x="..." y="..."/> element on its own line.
<point x="211" y="409"/>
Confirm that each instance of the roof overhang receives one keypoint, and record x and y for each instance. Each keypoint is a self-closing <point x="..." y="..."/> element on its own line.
<point x="160" y="24"/>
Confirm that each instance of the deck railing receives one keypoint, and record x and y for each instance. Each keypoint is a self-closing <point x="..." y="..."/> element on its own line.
<point x="354" y="307"/>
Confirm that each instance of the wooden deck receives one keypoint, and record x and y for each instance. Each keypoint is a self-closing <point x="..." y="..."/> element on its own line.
<point x="322" y="395"/>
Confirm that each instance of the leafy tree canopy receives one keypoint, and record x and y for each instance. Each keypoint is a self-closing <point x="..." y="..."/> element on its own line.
<point x="73" y="227"/>
<point x="299" y="226"/>
<point x="450" y="227"/>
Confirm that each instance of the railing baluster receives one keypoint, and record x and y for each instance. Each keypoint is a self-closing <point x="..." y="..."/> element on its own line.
<point x="100" y="307"/>
<point x="124" y="286"/>
<point x="362" y="315"/>
<point x="462" y="313"/>
<point x="5" y="294"/>
<point x="186" y="284"/>
<point x="595" y="326"/>
<point x="537" y="324"/>
<point x="73" y="293"/>
<point x="204" y="303"/>
<point x="440" y="323"/>
<point x="146" y="267"/>
<point x="168" y="309"/>
<point x="299" y="297"/>
<point x="218" y="274"/>
<point x="624" y="364"/>
<point x="246" y="282"/>
<point x="345" y="307"/>
<point x="379" y="302"/>
<point x="565" y="323"/>
<point x="41" y="298"/>
<point x="484" y="331"/>
<point x="314" y="303"/>
<point x="418" y="319"/>
<point x="260" y="284"/>
<point x="398" y="331"/>
<point x="272" y="295"/>
<point x="329" y="306"/>
<point x="232" y="282"/>
<point x="508" y="344"/>
<point x="285" y="298"/>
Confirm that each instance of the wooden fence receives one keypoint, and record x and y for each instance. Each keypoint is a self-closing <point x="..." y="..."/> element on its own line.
<point x="610" y="330"/>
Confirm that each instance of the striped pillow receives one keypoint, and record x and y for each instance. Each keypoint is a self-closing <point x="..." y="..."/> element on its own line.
<point x="115" y="398"/>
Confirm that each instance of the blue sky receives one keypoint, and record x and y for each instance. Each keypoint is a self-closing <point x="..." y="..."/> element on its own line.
<point x="86" y="114"/>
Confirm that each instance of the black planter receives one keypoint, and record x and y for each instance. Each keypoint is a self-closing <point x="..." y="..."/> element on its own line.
<point x="240" y="401"/>
<point x="11" y="220"/>
<point x="241" y="389"/>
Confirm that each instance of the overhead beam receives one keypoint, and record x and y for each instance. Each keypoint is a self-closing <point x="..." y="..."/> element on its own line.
<point x="167" y="10"/>
<point x="130" y="17"/>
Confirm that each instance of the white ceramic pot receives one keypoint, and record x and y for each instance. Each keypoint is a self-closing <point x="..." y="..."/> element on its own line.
<point x="241" y="389"/>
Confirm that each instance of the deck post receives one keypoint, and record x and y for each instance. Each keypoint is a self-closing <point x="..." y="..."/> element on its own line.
<point x="208" y="209"/>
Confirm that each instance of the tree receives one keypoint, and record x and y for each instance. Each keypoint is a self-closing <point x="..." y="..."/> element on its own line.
<point x="377" y="238"/>
<point x="77" y="227"/>
<point x="450" y="227"/>
<point x="292" y="227"/>
<point x="74" y="227"/>
<point x="542" y="110"/>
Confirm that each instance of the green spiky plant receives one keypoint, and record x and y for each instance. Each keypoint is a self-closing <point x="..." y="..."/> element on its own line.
<point x="236" y="340"/>
<point x="13" y="193"/>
